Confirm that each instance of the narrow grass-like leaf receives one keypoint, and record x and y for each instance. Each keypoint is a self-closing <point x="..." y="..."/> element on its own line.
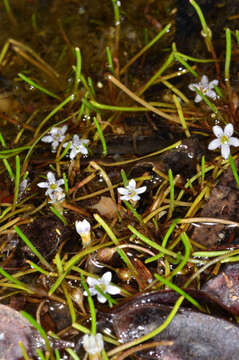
<point x="66" y="183"/>
<point x="2" y="141"/>
<point x="228" y="54"/>
<point x="109" y="59"/>
<point x="77" y="70"/>
<point x="151" y="243"/>
<point x="38" y="87"/>
<point x="234" y="169"/>
<point x="179" y="291"/>
<point x="101" y="136"/>
<point x="9" y="169"/>
<point x="91" y="306"/>
<point x="52" y="113"/>
<point x="134" y="212"/>
<point x="20" y="284"/>
<point x="59" y="215"/>
<point x="181" y="116"/>
<point x="124" y="177"/>
<point x="148" y="45"/>
<point x="171" y="184"/>
<point x="32" y="248"/>
<point x="186" y="65"/>
<point x="184" y="261"/>
<point x="151" y="334"/>
<point x="126" y="260"/>
<point x="24" y="352"/>
<point x="39" y="328"/>
<point x="107" y="229"/>
<point x="17" y="182"/>
<point x="73" y="354"/>
<point x="202" y="169"/>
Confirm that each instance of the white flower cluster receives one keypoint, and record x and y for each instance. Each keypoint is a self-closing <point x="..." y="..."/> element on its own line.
<point x="57" y="135"/>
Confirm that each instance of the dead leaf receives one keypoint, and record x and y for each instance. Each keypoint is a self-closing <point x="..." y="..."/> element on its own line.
<point x="106" y="207"/>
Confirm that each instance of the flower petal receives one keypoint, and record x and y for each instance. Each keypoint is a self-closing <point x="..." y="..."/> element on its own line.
<point x="83" y="150"/>
<point x="60" y="182"/>
<point x="125" y="197"/>
<point x="73" y="154"/>
<point x="204" y="81"/>
<point x="123" y="191"/>
<point x="101" y="298"/>
<point x="212" y="94"/>
<point x="132" y="184"/>
<point x="51" y="177"/>
<point x="113" y="290"/>
<point x="141" y="189"/>
<point x="197" y="98"/>
<point x="225" y="151"/>
<point x="233" y="141"/>
<point x="228" y="130"/>
<point x="193" y="86"/>
<point x="47" y="139"/>
<point x="63" y="129"/>
<point x="92" y="282"/>
<point x="43" y="184"/>
<point x="214" y="144"/>
<point x="135" y="197"/>
<point x="217" y="130"/>
<point x="106" y="278"/>
<point x="76" y="140"/>
<point x="212" y="83"/>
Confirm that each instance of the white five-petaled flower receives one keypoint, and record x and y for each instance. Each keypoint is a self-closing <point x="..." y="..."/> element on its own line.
<point x="224" y="140"/>
<point x="77" y="146"/>
<point x="83" y="229"/>
<point x="53" y="186"/>
<point x="55" y="137"/>
<point x="205" y="87"/>
<point x="130" y="192"/>
<point x="93" y="344"/>
<point x="104" y="284"/>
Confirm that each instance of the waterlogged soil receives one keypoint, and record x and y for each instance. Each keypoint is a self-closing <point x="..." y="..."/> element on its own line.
<point x="39" y="38"/>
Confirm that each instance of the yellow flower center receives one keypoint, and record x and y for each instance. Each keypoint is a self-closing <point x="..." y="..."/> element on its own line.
<point x="132" y="193"/>
<point x="224" y="139"/>
<point x="53" y="186"/>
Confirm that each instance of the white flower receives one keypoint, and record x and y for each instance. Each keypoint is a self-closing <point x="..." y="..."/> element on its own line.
<point x="55" y="137"/>
<point x="93" y="344"/>
<point x="130" y="192"/>
<point x="77" y="146"/>
<point x="54" y="191"/>
<point x="224" y="140"/>
<point x="205" y="88"/>
<point x="104" y="284"/>
<point x="83" y="229"/>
